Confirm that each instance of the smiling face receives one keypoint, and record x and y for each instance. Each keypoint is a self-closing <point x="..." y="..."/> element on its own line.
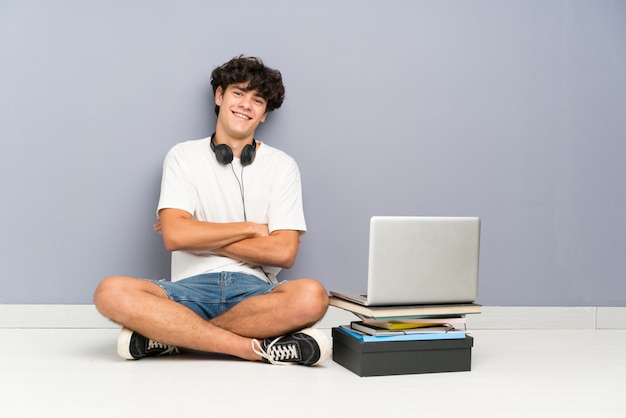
<point x="241" y="112"/>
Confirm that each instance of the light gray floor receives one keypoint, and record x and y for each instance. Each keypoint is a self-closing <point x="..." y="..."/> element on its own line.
<point x="544" y="373"/>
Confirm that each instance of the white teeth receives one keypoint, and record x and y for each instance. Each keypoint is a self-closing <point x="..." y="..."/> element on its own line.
<point x="242" y="116"/>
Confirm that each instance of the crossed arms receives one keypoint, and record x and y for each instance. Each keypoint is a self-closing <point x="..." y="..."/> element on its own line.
<point x="248" y="242"/>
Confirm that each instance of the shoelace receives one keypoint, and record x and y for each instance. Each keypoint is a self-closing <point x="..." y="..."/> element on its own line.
<point x="167" y="349"/>
<point x="276" y="354"/>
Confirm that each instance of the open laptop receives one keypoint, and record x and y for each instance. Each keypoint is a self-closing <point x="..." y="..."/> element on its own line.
<point x="417" y="260"/>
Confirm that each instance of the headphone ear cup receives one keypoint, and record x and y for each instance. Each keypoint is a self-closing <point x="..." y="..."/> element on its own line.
<point x="248" y="153"/>
<point x="223" y="153"/>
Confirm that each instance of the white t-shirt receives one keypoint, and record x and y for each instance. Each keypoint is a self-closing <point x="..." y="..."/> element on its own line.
<point x="194" y="181"/>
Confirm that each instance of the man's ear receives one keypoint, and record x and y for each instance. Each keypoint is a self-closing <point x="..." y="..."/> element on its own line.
<point x="219" y="94"/>
<point x="263" y="117"/>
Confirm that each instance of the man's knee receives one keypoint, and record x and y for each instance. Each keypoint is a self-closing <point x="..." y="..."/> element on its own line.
<point x="113" y="295"/>
<point x="311" y="300"/>
<point x="107" y="294"/>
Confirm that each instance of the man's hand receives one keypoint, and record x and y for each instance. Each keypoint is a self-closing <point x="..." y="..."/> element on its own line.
<point x="260" y="230"/>
<point x="157" y="226"/>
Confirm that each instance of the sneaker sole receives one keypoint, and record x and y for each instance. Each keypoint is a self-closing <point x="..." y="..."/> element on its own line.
<point x="322" y="342"/>
<point x="123" y="344"/>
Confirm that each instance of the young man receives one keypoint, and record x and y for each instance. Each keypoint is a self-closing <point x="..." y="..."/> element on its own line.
<point x="231" y="213"/>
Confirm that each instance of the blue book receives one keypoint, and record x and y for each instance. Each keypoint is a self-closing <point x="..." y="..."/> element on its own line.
<point x="450" y="335"/>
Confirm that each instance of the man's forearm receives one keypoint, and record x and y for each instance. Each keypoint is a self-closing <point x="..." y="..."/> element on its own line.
<point x="182" y="233"/>
<point x="278" y="250"/>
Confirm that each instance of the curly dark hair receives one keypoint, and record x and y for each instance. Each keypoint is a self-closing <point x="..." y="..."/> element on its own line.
<point x="267" y="81"/>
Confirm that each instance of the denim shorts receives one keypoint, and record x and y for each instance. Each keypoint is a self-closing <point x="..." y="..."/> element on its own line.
<point x="212" y="294"/>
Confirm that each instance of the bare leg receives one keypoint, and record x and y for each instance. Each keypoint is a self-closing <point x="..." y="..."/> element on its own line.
<point x="290" y="307"/>
<point x="143" y="306"/>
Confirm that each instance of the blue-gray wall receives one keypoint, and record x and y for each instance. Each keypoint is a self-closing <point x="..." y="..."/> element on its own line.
<point x="509" y="110"/>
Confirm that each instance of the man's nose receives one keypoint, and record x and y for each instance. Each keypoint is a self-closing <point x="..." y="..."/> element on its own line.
<point x="245" y="101"/>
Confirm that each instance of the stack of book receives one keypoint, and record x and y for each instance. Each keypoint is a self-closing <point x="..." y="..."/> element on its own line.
<point x="406" y="323"/>
<point x="404" y="339"/>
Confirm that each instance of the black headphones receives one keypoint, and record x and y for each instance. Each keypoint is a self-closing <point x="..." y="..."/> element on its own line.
<point x="224" y="153"/>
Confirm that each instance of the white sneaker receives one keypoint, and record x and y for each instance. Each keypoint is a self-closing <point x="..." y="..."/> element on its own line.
<point x="132" y="346"/>
<point x="308" y="347"/>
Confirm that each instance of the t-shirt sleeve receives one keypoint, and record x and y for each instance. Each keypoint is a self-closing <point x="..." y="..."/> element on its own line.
<point x="287" y="211"/>
<point x="177" y="187"/>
